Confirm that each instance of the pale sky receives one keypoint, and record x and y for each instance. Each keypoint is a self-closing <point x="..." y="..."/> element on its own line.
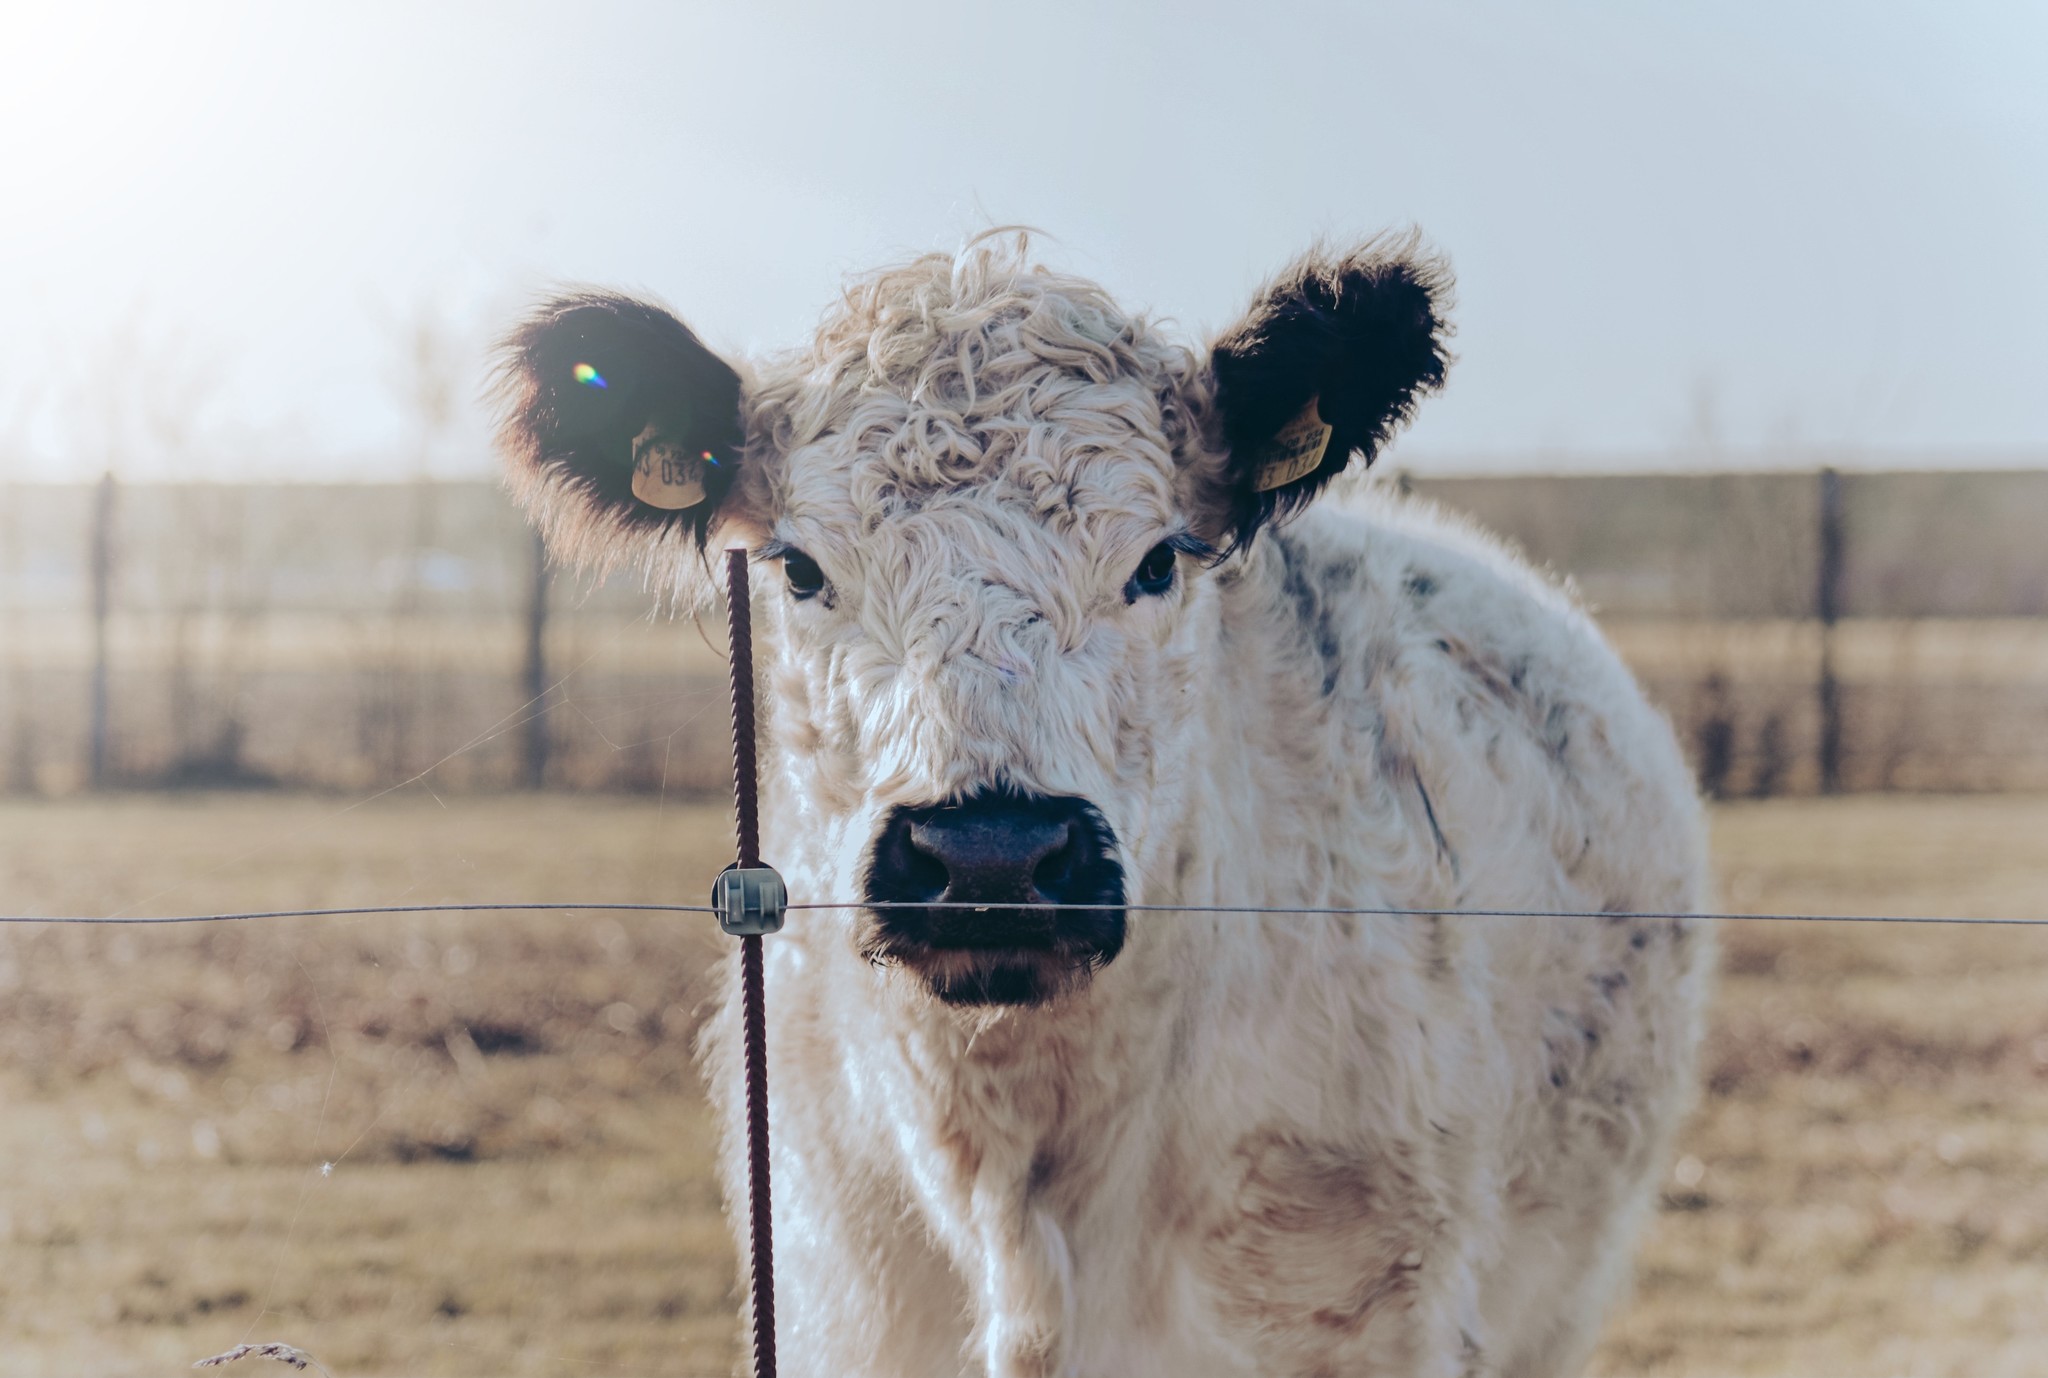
<point x="1770" y="226"/>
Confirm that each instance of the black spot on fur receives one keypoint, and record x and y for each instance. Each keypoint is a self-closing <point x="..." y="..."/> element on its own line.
<point x="1420" y="586"/>
<point x="1044" y="1167"/>
<point x="1363" y="334"/>
<point x="1332" y="653"/>
<point x="1556" y="735"/>
<point x="1577" y="863"/>
<point x="1443" y="847"/>
<point x="1439" y="948"/>
<point x="1302" y="583"/>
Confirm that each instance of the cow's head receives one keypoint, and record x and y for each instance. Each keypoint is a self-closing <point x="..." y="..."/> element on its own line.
<point x="992" y="502"/>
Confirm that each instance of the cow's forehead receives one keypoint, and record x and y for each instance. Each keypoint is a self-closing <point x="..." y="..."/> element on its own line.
<point x="1064" y="449"/>
<point x="979" y="375"/>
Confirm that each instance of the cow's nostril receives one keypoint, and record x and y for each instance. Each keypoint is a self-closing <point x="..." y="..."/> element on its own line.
<point x="1053" y="876"/>
<point x="904" y="871"/>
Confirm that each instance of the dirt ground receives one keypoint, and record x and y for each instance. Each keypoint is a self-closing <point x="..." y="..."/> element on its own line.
<point x="474" y="1144"/>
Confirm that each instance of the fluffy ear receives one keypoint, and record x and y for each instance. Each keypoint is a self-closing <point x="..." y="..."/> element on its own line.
<point x="622" y="432"/>
<point x="1328" y="363"/>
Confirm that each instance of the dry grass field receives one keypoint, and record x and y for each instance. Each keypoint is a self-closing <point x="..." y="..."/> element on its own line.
<point x="474" y="1144"/>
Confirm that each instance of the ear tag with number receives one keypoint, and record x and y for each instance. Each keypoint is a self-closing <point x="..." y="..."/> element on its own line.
<point x="1294" y="452"/>
<point x="664" y="475"/>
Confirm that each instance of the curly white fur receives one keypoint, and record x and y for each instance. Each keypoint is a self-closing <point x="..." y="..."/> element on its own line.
<point x="1282" y="1145"/>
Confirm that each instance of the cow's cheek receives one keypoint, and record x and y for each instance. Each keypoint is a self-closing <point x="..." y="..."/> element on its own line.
<point x="816" y="727"/>
<point x="1170" y="718"/>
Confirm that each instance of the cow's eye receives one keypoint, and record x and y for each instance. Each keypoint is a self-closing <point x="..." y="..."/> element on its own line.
<point x="1155" y="574"/>
<point x="805" y="578"/>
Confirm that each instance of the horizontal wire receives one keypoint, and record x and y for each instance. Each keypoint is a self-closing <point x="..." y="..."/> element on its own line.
<point x="344" y="912"/>
<point x="1250" y="909"/>
<point x="1616" y="914"/>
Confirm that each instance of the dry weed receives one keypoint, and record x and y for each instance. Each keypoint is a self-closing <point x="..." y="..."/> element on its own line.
<point x="283" y="1353"/>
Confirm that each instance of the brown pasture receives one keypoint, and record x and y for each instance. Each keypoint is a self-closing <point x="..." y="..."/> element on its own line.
<point x="474" y="1144"/>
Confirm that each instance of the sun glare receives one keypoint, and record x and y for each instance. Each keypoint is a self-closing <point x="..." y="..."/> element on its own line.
<point x="116" y="109"/>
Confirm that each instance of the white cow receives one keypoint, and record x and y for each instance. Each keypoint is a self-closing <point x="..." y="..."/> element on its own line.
<point x="1049" y="625"/>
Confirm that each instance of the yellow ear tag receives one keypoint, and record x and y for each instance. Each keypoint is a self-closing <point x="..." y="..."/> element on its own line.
<point x="664" y="475"/>
<point x="1294" y="452"/>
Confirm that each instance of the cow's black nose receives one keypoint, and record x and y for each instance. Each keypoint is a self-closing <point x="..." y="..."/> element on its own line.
<point x="1010" y="856"/>
<point x="997" y="899"/>
<point x="995" y="850"/>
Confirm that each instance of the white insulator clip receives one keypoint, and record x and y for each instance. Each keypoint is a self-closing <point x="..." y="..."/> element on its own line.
<point x="749" y="900"/>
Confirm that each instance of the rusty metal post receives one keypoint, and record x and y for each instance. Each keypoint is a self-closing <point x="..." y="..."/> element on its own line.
<point x="102" y="558"/>
<point x="747" y="821"/>
<point x="1827" y="608"/>
<point x="534" y="673"/>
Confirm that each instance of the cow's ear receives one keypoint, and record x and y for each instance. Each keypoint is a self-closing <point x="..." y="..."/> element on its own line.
<point x="1327" y="364"/>
<point x="623" y="435"/>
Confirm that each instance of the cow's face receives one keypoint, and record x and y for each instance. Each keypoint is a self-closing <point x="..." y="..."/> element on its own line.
<point x="987" y="504"/>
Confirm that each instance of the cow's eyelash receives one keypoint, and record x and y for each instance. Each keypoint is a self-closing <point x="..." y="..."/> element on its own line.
<point x="806" y="580"/>
<point x="1158" y="573"/>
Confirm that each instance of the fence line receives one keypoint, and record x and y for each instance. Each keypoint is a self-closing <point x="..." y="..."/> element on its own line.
<point x="559" y="906"/>
<point x="159" y="635"/>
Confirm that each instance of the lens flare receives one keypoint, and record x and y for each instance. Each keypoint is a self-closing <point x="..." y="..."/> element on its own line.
<point x="710" y="458"/>
<point x="588" y="376"/>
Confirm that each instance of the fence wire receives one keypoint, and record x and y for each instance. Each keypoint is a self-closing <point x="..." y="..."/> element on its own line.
<point x="1251" y="910"/>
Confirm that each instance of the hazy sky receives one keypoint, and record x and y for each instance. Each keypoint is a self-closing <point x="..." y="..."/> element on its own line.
<point x="1762" y="224"/>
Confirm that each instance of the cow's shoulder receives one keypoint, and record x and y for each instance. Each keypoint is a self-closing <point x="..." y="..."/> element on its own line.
<point x="1481" y="682"/>
<point x="1379" y="581"/>
<point x="1443" y="567"/>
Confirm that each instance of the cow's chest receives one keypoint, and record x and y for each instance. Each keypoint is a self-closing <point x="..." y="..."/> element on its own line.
<point x="1317" y="1254"/>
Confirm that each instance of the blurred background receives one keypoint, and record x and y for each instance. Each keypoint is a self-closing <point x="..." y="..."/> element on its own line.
<point x="1750" y="349"/>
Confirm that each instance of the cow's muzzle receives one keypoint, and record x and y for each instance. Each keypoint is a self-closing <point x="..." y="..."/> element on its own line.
<point x="981" y="897"/>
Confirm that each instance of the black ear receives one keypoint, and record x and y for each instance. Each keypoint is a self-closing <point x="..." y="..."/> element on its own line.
<point x="1328" y="363"/>
<point x="620" y="427"/>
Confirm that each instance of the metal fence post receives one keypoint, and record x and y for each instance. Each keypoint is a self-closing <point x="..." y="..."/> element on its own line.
<point x="534" y="762"/>
<point x="1827" y="607"/>
<point x="102" y="557"/>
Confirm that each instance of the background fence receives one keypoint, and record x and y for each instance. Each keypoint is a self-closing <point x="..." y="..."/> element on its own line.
<point x="1819" y="631"/>
<point x="1805" y="631"/>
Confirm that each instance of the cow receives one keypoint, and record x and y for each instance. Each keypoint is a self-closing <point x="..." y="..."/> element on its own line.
<point x="1061" y="656"/>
